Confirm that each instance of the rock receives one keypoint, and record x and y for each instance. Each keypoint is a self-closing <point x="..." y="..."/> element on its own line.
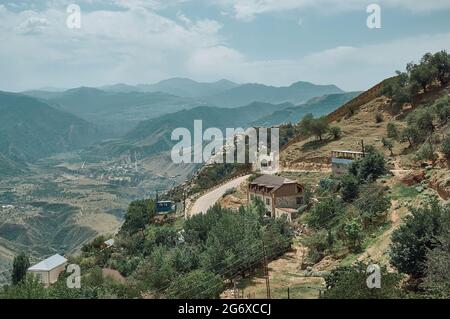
<point x="413" y="178"/>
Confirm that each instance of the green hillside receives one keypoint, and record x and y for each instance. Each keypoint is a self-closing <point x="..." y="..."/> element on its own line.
<point x="115" y="112"/>
<point x="299" y="92"/>
<point x="318" y="106"/>
<point x="154" y="136"/>
<point x="31" y="129"/>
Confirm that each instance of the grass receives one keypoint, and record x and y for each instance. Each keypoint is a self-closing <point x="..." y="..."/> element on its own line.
<point x="401" y="191"/>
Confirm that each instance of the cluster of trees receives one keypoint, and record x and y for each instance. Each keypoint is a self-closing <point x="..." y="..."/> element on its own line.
<point x="432" y="70"/>
<point x="318" y="127"/>
<point x="169" y="260"/>
<point x="351" y="207"/>
<point x="420" y="131"/>
<point x="420" y="248"/>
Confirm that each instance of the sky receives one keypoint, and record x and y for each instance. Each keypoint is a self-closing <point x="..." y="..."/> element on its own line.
<point x="275" y="42"/>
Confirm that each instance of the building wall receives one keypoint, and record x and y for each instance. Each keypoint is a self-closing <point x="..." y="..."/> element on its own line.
<point x="286" y="202"/>
<point x="279" y="213"/>
<point x="264" y="198"/>
<point x="49" y="277"/>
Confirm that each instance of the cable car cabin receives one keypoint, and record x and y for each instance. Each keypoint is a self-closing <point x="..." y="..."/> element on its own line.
<point x="341" y="161"/>
<point x="165" y="207"/>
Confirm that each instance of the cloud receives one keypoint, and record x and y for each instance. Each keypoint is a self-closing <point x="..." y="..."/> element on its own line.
<point x="130" y="45"/>
<point x="351" y="68"/>
<point x="247" y="10"/>
<point x="33" y="26"/>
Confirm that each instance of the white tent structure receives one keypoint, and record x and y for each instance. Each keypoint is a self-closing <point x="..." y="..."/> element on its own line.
<point x="49" y="269"/>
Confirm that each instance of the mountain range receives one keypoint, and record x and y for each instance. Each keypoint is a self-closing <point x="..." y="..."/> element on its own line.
<point x="31" y="129"/>
<point x="317" y="106"/>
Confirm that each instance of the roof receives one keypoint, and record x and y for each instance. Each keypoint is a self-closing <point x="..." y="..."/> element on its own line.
<point x="348" y="152"/>
<point x="109" y="242"/>
<point x="49" y="263"/>
<point x="271" y="181"/>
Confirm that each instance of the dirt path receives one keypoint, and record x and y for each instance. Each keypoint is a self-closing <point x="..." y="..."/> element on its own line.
<point x="284" y="273"/>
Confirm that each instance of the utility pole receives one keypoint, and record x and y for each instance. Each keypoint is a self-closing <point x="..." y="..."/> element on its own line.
<point x="266" y="271"/>
<point x="184" y="204"/>
<point x="363" y="148"/>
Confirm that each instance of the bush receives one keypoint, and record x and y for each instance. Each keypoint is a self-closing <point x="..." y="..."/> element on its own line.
<point x="392" y="131"/>
<point x="379" y="118"/>
<point x="317" y="245"/>
<point x="370" y="167"/>
<point x="198" y="284"/>
<point x="350" y="282"/>
<point x="325" y="213"/>
<point x="427" y="153"/>
<point x="373" y="204"/>
<point x="446" y="147"/>
<point x="412" y="241"/>
<point x="353" y="234"/>
<point x="335" y="132"/>
<point x="349" y="187"/>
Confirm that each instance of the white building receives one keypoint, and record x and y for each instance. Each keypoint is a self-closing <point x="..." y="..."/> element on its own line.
<point x="49" y="269"/>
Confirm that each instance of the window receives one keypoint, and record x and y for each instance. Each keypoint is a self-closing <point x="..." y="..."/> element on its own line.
<point x="267" y="201"/>
<point x="299" y="200"/>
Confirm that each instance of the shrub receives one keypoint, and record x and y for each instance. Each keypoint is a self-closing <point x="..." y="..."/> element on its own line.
<point x="373" y="204"/>
<point x="335" y="132"/>
<point x="412" y="241"/>
<point x="392" y="131"/>
<point x="349" y="187"/>
<point x="325" y="213"/>
<point x="379" y="118"/>
<point x="446" y="147"/>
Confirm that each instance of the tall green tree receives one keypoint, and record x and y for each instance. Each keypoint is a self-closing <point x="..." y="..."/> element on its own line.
<point x="412" y="241"/>
<point x="21" y="264"/>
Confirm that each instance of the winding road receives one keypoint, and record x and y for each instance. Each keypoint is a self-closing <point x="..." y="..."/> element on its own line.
<point x="206" y="201"/>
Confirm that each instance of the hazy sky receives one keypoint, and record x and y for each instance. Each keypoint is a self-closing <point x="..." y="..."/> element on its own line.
<point x="275" y="42"/>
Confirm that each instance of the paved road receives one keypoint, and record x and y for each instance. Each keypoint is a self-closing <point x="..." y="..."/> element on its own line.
<point x="208" y="200"/>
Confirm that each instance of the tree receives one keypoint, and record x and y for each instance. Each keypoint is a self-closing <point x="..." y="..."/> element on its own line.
<point x="21" y="264"/>
<point x="350" y="282"/>
<point x="387" y="143"/>
<point x="335" y="132"/>
<point x="412" y="241"/>
<point x="423" y="120"/>
<point x="138" y="216"/>
<point x="373" y="204"/>
<point x="437" y="279"/>
<point x="319" y="127"/>
<point x="198" y="284"/>
<point x="392" y="131"/>
<point x="427" y="153"/>
<point x="306" y="123"/>
<point x="410" y="134"/>
<point x="349" y="187"/>
<point x="442" y="109"/>
<point x="446" y="148"/>
<point x="370" y="167"/>
<point x="324" y="214"/>
<point x="317" y="244"/>
<point x="441" y="63"/>
<point x="29" y="287"/>
<point x="353" y="233"/>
